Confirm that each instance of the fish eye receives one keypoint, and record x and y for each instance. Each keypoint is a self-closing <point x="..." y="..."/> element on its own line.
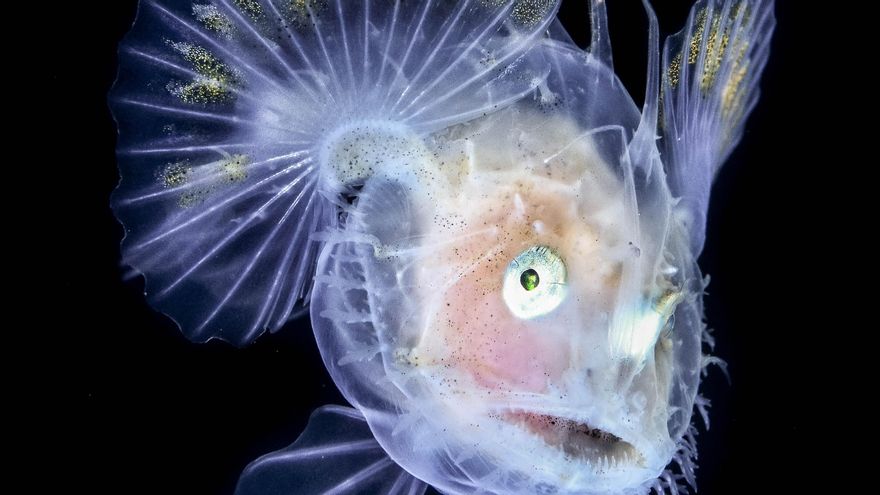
<point x="529" y="279"/>
<point x="534" y="282"/>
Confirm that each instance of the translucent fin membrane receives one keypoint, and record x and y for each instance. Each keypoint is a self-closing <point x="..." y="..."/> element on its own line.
<point x="336" y="454"/>
<point x="223" y="108"/>
<point x="711" y="71"/>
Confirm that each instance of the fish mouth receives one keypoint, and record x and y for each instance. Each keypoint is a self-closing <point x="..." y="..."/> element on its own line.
<point x="578" y="439"/>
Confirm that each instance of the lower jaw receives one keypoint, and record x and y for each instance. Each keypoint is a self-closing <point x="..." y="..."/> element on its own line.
<point x="579" y="441"/>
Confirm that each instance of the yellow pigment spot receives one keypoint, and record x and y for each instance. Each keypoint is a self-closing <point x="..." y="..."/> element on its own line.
<point x="731" y="95"/>
<point x="198" y="182"/>
<point x="234" y="168"/>
<point x="250" y="7"/>
<point x="204" y="62"/>
<point x="531" y="12"/>
<point x="215" y="79"/>
<point x="716" y="44"/>
<point x="213" y="20"/>
<point x="201" y="91"/>
<point x="721" y="42"/>
<point x="175" y="174"/>
<point x="697" y="37"/>
<point x="525" y="13"/>
<point x="673" y="72"/>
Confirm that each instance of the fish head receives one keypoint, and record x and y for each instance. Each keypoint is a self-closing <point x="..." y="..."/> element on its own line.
<point x="531" y="326"/>
<point x="525" y="315"/>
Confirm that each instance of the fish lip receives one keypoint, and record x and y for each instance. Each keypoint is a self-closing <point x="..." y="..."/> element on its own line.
<point x="600" y="435"/>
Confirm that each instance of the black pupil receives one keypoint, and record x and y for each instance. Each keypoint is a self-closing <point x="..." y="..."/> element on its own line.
<point x="529" y="279"/>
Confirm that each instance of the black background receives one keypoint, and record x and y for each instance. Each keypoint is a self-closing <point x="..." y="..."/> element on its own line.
<point x="143" y="409"/>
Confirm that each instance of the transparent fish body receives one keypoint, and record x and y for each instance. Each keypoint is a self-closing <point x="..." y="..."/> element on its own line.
<point x="497" y="252"/>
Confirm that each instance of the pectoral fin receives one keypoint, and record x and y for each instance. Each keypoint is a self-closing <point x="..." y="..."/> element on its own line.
<point x="336" y="454"/>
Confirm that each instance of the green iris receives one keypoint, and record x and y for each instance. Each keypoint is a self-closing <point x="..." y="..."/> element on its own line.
<point x="529" y="279"/>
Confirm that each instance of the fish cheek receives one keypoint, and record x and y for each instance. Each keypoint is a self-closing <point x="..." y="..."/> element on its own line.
<point x="485" y="341"/>
<point x="472" y="331"/>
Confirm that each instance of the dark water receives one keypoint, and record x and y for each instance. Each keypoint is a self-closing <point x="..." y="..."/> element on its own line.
<point x="150" y="411"/>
